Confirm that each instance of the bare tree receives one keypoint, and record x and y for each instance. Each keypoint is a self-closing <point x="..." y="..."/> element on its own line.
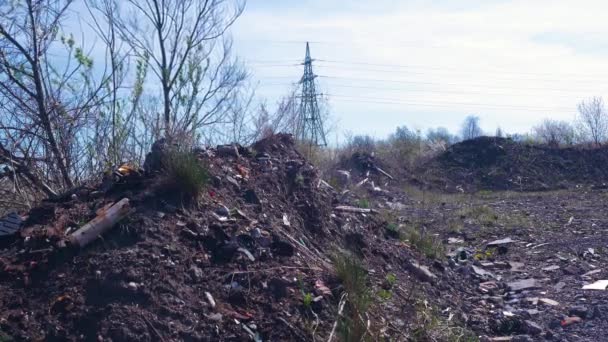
<point x="554" y="132"/>
<point x="45" y="106"/>
<point x="189" y="54"/>
<point x="593" y="120"/>
<point x="470" y="128"/>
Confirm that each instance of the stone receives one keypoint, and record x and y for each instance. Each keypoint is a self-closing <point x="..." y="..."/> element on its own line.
<point x="422" y="272"/>
<point x="523" y="284"/>
<point x="598" y="285"/>
<point x="551" y="268"/>
<point x="578" y="310"/>
<point x="500" y="242"/>
<point x="548" y="301"/>
<point x="482" y="273"/>
<point x="196" y="273"/>
<point x="570" y="320"/>
<point x="222" y="210"/>
<point x="343" y="177"/>
<point x="533" y="328"/>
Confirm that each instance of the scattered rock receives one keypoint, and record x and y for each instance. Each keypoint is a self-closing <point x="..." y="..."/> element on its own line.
<point x="533" y="328"/>
<point x="579" y="310"/>
<point x="422" y="272"/>
<point x="523" y="284"/>
<point x="196" y="273"/>
<point x="598" y="285"/>
<point x="501" y="242"/>
<point x="570" y="320"/>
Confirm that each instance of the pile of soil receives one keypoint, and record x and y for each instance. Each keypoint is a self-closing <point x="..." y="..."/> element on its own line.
<point x="235" y="266"/>
<point x="502" y="164"/>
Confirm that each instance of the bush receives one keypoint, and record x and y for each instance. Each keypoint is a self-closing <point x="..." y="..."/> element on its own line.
<point x="425" y="243"/>
<point x="184" y="173"/>
<point x="353" y="277"/>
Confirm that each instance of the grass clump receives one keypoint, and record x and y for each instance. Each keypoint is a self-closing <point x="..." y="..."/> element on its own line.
<point x="363" y="203"/>
<point x="430" y="326"/>
<point x="184" y="173"/>
<point x="353" y="277"/>
<point x="482" y="214"/>
<point x="427" y="244"/>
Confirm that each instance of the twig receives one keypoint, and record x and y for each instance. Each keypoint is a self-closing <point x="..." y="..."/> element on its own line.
<point x="160" y="337"/>
<point x="340" y="309"/>
<point x="292" y="328"/>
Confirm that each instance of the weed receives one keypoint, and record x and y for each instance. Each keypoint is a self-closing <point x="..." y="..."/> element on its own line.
<point x="482" y="214"/>
<point x="431" y="327"/>
<point x="385" y="294"/>
<point x="184" y="173"/>
<point x="483" y="255"/>
<point x="363" y="203"/>
<point x="353" y="277"/>
<point x="393" y="230"/>
<point x="299" y="180"/>
<point x="425" y="243"/>
<point x="307" y="300"/>
<point x="391" y="279"/>
<point x="5" y="337"/>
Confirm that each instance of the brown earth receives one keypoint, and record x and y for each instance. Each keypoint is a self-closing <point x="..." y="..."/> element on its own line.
<point x="263" y="236"/>
<point x="503" y="164"/>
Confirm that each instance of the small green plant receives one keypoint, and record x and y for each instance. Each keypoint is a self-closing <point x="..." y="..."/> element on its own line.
<point x="5" y="337"/>
<point x="363" y="203"/>
<point x="482" y="214"/>
<point x="184" y="173"/>
<point x="353" y="277"/>
<point x="425" y="243"/>
<point x="299" y="180"/>
<point x="391" y="279"/>
<point x="392" y="230"/>
<point x="430" y="326"/>
<point x="307" y="300"/>
<point x="385" y="294"/>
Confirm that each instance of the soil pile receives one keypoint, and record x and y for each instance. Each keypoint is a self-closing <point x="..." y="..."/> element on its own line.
<point x="250" y="261"/>
<point x="503" y="164"/>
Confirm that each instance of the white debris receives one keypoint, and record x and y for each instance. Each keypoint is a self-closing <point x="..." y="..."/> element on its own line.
<point x="598" y="285"/>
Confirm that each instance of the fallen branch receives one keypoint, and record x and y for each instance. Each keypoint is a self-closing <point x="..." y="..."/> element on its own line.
<point x="384" y="173"/>
<point x="348" y="209"/>
<point x="340" y="309"/>
<point x="100" y="224"/>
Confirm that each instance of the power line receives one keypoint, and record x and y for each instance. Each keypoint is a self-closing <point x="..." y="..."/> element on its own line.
<point x="356" y="99"/>
<point x="595" y="78"/>
<point x="430" y="91"/>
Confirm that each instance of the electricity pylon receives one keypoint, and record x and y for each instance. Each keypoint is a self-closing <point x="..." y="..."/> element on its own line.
<point x="309" y="127"/>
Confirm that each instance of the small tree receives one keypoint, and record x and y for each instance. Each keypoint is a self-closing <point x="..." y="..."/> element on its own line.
<point x="188" y="52"/>
<point x="470" y="128"/>
<point x="593" y="120"/>
<point x="554" y="132"/>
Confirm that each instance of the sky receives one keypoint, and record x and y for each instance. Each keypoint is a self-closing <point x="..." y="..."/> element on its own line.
<point x="424" y="64"/>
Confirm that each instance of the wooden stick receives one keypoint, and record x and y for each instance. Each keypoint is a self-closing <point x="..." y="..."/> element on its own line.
<point x="100" y="224"/>
<point x="349" y="209"/>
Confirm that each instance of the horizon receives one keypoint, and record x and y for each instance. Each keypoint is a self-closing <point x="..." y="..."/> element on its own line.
<point x="512" y="63"/>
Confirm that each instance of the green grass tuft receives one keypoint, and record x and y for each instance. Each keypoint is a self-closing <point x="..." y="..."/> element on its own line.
<point x="184" y="173"/>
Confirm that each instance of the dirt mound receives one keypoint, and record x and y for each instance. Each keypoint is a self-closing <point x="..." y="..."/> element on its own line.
<point x="503" y="164"/>
<point x="250" y="261"/>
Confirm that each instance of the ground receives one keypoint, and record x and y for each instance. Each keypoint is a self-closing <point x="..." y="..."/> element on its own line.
<point x="270" y="251"/>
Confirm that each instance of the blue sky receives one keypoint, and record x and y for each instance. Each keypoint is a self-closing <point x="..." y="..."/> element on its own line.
<point x="430" y="63"/>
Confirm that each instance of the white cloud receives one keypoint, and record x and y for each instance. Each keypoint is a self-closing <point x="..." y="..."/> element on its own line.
<point x="495" y="54"/>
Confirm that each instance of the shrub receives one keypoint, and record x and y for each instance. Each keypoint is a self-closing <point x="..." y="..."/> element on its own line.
<point x="184" y="173"/>
<point x="424" y="243"/>
<point x="353" y="277"/>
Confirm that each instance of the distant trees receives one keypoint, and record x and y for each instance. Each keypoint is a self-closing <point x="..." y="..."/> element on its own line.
<point x="554" y="132"/>
<point x="592" y="120"/>
<point x="470" y="128"/>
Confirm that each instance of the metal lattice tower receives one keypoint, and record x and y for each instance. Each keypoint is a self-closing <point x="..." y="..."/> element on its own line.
<point x="309" y="128"/>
